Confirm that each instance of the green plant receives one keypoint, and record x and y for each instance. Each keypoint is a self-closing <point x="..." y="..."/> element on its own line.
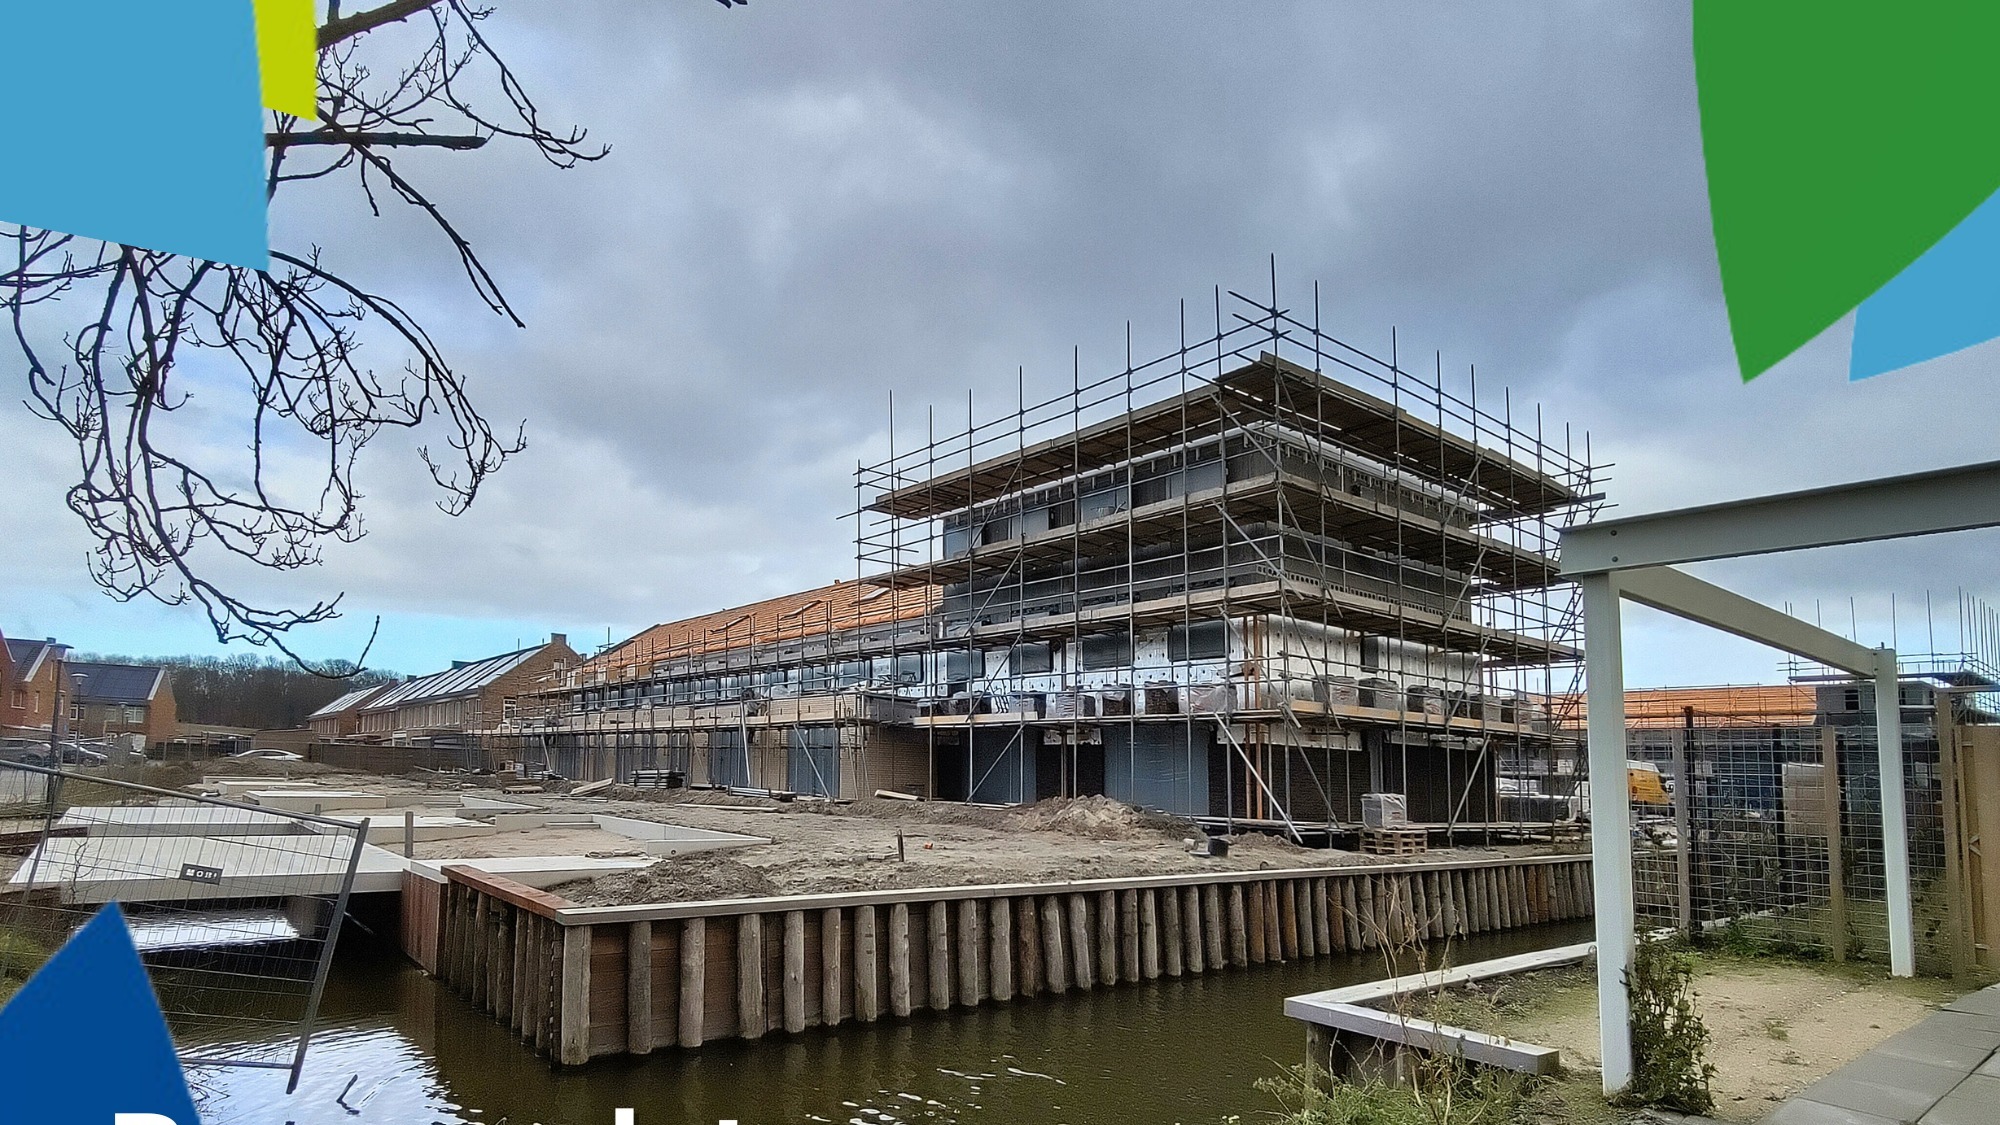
<point x="1445" y="1092"/>
<point x="20" y="956"/>
<point x="1670" y="1066"/>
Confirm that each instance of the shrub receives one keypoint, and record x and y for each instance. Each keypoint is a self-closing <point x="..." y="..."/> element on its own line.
<point x="1670" y="1066"/>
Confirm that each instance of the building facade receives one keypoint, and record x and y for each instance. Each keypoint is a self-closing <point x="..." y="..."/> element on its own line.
<point x="341" y="717"/>
<point x="30" y="679"/>
<point x="1255" y="597"/>
<point x="494" y="694"/>
<point x="122" y="699"/>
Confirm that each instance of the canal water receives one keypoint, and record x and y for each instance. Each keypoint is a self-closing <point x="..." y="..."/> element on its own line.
<point x="396" y="1049"/>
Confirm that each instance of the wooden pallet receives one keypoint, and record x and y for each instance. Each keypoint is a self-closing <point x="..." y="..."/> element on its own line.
<point x="1394" y="841"/>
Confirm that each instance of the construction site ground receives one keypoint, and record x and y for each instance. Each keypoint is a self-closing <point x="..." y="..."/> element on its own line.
<point x="827" y="847"/>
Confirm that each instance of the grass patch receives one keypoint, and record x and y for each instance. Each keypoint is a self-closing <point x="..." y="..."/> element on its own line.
<point x="20" y="956"/>
<point x="1493" y="1006"/>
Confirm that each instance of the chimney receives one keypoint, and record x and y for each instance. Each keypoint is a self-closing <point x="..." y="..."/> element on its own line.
<point x="558" y="638"/>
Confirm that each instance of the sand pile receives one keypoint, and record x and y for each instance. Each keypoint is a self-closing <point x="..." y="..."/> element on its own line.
<point x="700" y="877"/>
<point x="1098" y="818"/>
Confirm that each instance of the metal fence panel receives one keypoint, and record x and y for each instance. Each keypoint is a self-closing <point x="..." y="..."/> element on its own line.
<point x="235" y="908"/>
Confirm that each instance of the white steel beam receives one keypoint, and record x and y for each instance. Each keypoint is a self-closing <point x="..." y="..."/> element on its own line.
<point x="1610" y="824"/>
<point x="1683" y="595"/>
<point x="1889" y="508"/>
<point x="1895" y="822"/>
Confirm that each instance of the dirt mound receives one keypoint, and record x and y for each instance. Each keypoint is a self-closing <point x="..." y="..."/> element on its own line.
<point x="925" y="812"/>
<point x="1100" y="818"/>
<point x="708" y="798"/>
<point x="693" y="878"/>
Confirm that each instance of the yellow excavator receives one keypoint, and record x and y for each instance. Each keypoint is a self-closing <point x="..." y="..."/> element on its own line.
<point x="1646" y="786"/>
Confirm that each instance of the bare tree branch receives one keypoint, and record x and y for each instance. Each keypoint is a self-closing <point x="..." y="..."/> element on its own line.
<point x="167" y="352"/>
<point x="375" y="140"/>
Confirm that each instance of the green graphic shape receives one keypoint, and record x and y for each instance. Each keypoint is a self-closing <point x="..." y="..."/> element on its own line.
<point x="1843" y="138"/>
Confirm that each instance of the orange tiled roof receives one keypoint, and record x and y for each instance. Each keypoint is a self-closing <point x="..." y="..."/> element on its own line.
<point x="1747" y="705"/>
<point x="809" y="613"/>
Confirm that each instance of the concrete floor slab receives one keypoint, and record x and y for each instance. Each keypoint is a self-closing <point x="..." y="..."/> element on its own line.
<point x="234" y="787"/>
<point x="538" y="871"/>
<point x="92" y="869"/>
<point x="322" y="800"/>
<point x="388" y="831"/>
<point x="191" y="819"/>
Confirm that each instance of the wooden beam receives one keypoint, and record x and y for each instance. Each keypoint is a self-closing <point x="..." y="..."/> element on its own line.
<point x="693" y="981"/>
<point x="832" y="967"/>
<point x="938" y="981"/>
<point x="795" y="971"/>
<point x="573" y="1032"/>
<point x="867" y="973"/>
<point x="1000" y="945"/>
<point x="639" y="988"/>
<point x="750" y="1018"/>
<point x="899" y="960"/>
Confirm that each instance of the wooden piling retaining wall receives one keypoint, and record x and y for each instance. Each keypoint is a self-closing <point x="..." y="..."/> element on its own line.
<point x="580" y="982"/>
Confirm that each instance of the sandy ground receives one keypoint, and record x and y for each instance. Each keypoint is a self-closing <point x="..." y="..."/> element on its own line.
<point x="819" y="846"/>
<point x="1777" y="1026"/>
<point x="825" y="848"/>
<point x="544" y="841"/>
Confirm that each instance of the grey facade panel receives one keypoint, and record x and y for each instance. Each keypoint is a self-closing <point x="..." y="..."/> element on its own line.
<point x="1158" y="766"/>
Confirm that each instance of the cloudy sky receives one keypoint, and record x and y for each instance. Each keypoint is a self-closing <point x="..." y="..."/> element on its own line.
<point x="811" y="207"/>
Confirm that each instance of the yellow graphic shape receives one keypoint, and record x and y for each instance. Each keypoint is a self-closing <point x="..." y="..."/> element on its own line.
<point x="288" y="56"/>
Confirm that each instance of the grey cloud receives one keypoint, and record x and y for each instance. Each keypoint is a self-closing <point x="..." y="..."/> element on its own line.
<point x="810" y="207"/>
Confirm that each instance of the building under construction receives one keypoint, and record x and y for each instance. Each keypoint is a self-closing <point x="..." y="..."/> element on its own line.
<point x="1251" y="579"/>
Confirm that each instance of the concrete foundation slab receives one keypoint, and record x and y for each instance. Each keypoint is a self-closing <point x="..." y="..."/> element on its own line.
<point x="538" y="871"/>
<point x="323" y="800"/>
<point x="177" y="820"/>
<point x="91" y="869"/>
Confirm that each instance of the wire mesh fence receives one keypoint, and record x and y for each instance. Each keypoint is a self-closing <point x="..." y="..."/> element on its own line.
<point x="1775" y="832"/>
<point x="234" y="908"/>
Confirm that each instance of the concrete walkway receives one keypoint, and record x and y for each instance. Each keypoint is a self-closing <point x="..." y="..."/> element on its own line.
<point x="1943" y="1071"/>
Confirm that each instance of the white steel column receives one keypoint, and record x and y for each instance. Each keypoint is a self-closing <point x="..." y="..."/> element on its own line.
<point x="1895" y="821"/>
<point x="1610" y="822"/>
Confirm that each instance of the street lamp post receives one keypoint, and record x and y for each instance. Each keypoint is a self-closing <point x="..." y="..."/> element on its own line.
<point x="56" y="713"/>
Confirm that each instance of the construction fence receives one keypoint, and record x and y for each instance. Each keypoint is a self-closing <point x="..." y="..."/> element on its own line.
<point x="1774" y="835"/>
<point x="233" y="908"/>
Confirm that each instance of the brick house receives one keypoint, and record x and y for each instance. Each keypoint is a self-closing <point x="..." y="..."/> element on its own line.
<point x="114" y="699"/>
<point x="342" y="717"/>
<point x="491" y="694"/>
<point x="30" y="676"/>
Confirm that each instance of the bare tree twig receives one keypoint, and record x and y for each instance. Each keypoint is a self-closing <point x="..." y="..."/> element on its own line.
<point x="167" y="354"/>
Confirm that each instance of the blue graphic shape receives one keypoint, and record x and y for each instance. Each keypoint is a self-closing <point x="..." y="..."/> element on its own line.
<point x="84" y="1039"/>
<point x="1946" y="301"/>
<point x="135" y="121"/>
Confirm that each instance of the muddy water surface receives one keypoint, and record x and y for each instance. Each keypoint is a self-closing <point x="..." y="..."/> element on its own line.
<point x="395" y="1049"/>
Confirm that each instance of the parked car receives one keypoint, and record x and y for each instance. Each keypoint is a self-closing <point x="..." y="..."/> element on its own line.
<point x="67" y="755"/>
<point x="269" y="755"/>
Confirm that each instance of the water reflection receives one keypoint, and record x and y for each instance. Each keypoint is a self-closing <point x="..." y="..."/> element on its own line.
<point x="395" y="1049"/>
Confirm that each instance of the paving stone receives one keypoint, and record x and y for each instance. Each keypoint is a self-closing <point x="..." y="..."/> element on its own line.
<point x="1985" y="1002"/>
<point x="1976" y="1102"/>
<point x="1960" y="1027"/>
<point x="1937" y="1052"/>
<point x="1805" y="1111"/>
<point x="1895" y="1103"/>
<point x="1896" y="1073"/>
<point x="1990" y="1066"/>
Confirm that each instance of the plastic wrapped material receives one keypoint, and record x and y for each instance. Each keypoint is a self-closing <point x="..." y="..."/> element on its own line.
<point x="1384" y="810"/>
